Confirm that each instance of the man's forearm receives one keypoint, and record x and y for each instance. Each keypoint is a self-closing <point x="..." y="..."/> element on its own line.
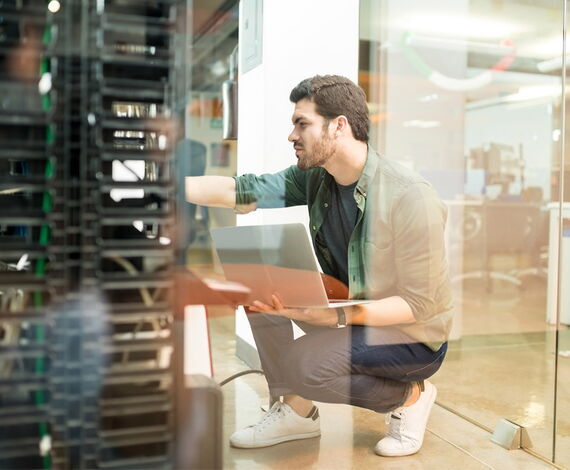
<point x="212" y="191"/>
<point x="389" y="311"/>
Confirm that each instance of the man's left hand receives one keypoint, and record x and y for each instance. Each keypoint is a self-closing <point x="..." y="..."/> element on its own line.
<point x="314" y="316"/>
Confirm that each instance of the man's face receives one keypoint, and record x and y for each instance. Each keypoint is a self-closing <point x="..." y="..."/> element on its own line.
<point x="311" y="137"/>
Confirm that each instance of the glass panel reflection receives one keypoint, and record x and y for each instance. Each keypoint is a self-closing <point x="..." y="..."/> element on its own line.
<point x="469" y="94"/>
<point x="559" y="305"/>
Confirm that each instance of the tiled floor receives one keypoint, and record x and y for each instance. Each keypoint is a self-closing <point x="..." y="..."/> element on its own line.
<point x="349" y="434"/>
<point x="505" y="365"/>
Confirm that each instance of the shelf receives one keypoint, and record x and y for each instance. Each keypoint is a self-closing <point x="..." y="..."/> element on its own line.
<point x="30" y="119"/>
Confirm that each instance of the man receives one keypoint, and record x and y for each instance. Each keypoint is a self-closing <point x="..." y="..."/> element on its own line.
<point x="377" y="227"/>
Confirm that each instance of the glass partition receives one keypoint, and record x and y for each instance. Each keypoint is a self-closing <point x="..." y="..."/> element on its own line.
<point x="468" y="93"/>
<point x="213" y="82"/>
<point x="560" y="221"/>
<point x="105" y="106"/>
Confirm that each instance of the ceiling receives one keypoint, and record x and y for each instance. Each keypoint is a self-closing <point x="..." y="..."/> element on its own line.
<point x="535" y="27"/>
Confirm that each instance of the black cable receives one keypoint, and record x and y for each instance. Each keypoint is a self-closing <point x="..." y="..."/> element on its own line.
<point x="239" y="374"/>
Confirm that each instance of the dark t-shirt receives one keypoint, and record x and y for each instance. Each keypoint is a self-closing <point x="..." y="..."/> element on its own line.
<point x="338" y="226"/>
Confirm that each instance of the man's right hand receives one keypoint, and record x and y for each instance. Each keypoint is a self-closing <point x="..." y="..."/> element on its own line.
<point x="246" y="208"/>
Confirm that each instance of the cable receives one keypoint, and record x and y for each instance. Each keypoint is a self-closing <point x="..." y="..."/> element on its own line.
<point x="132" y="171"/>
<point x="239" y="374"/>
<point x="129" y="267"/>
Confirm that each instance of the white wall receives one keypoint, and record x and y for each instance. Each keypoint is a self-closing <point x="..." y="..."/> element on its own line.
<point x="301" y="38"/>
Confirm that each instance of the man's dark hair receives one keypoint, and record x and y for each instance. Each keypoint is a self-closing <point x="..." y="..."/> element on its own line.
<point x="334" y="95"/>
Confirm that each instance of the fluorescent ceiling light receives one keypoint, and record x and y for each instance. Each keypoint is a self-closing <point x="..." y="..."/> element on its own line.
<point x="458" y="44"/>
<point x="550" y="47"/>
<point x="460" y="26"/>
<point x="527" y="93"/>
<point x="428" y="98"/>
<point x="422" y="124"/>
<point x="552" y="64"/>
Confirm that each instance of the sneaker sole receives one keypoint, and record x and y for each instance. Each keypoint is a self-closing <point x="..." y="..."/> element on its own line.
<point x="396" y="454"/>
<point x="414" y="451"/>
<point x="279" y="440"/>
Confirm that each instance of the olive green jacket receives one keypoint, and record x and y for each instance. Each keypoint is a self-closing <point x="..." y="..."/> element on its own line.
<point x="397" y="247"/>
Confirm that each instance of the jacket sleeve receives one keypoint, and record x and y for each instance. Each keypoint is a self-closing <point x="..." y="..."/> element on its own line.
<point x="420" y="260"/>
<point x="283" y="189"/>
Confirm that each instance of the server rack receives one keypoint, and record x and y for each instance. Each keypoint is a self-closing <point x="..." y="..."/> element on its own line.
<point x="131" y="101"/>
<point x="87" y="234"/>
<point x="26" y="185"/>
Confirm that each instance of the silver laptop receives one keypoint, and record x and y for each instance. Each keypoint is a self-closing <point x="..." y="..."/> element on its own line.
<point x="273" y="259"/>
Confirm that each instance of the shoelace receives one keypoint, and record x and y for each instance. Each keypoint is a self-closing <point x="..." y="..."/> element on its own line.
<point x="394" y="422"/>
<point x="272" y="415"/>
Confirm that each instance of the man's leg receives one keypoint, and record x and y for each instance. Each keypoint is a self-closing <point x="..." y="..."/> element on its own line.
<point x="273" y="335"/>
<point x="296" y="417"/>
<point x="374" y="368"/>
<point x="368" y="367"/>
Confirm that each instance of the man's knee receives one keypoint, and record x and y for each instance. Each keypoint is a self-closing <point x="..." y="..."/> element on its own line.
<point x="265" y="320"/>
<point x="302" y="370"/>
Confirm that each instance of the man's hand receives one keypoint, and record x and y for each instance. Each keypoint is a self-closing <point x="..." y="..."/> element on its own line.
<point x="314" y="316"/>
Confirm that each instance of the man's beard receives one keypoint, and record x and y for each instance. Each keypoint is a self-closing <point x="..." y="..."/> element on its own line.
<point x="322" y="152"/>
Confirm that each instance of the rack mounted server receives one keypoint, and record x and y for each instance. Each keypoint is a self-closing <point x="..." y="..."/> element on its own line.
<point x="86" y="234"/>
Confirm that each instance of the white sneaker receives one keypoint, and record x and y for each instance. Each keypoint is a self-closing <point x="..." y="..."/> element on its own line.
<point x="280" y="424"/>
<point x="407" y="426"/>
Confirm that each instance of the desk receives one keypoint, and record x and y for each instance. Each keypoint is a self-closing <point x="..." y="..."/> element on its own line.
<point x="488" y="228"/>
<point x="553" y="246"/>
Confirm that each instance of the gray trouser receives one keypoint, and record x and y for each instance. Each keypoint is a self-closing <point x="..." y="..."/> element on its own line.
<point x="369" y="367"/>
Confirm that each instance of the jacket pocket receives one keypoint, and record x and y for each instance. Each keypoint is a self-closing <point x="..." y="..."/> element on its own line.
<point x="379" y="267"/>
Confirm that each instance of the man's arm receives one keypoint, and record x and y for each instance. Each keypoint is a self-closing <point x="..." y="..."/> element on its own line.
<point x="419" y="249"/>
<point x="420" y="263"/>
<point x="214" y="191"/>
<point x="388" y="311"/>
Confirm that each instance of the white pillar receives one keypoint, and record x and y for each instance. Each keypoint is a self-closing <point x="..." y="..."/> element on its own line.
<point x="298" y="39"/>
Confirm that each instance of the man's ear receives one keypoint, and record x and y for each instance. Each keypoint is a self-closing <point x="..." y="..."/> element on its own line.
<point x="341" y="124"/>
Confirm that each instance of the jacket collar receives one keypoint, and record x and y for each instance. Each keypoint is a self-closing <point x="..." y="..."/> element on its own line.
<point x="368" y="172"/>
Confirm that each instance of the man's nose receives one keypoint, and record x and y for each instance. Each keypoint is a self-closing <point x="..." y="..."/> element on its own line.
<point x="292" y="137"/>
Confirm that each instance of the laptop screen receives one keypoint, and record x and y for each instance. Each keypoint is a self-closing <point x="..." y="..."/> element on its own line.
<point x="272" y="259"/>
<point x="283" y="245"/>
